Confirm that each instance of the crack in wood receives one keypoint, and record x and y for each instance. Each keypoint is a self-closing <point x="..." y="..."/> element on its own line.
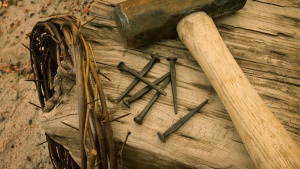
<point x="188" y="137"/>
<point x="268" y="3"/>
<point x="101" y="26"/>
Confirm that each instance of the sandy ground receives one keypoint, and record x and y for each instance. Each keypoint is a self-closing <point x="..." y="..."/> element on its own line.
<point x="21" y="135"/>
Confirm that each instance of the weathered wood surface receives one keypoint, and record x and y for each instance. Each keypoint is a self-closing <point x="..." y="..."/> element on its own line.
<point x="263" y="38"/>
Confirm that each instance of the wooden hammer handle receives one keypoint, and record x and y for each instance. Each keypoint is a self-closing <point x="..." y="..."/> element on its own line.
<point x="267" y="141"/>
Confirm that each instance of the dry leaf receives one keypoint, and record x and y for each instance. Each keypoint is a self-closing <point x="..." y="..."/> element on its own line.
<point x="48" y="2"/>
<point x="16" y="24"/>
<point x="5" y="4"/>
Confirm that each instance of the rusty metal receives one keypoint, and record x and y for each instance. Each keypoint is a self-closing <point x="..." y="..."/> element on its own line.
<point x="144" y="21"/>
<point x="173" y="81"/>
<point x="179" y="123"/>
<point x="144" y="71"/>
<point x="144" y="91"/>
<point x="139" y="118"/>
<point x="123" y="67"/>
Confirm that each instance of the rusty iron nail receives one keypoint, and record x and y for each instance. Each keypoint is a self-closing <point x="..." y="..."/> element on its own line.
<point x="173" y="81"/>
<point x="123" y="67"/>
<point x="140" y="117"/>
<point x="144" y="71"/>
<point x="144" y="91"/>
<point x="179" y="123"/>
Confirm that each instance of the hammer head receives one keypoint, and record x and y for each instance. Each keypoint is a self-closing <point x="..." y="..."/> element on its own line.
<point x="143" y="21"/>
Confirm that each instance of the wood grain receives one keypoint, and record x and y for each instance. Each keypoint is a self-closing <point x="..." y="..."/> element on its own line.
<point x="264" y="40"/>
<point x="267" y="142"/>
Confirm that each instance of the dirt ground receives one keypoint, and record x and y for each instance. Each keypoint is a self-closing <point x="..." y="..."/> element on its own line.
<point x="22" y="140"/>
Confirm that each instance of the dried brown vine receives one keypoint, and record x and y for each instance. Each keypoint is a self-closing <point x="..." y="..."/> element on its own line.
<point x="57" y="46"/>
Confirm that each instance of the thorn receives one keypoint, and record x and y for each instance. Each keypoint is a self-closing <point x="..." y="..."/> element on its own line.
<point x="71" y="87"/>
<point x="35" y="105"/>
<point x="97" y="164"/>
<point x="70" y="126"/>
<point x="88" y="21"/>
<point x="102" y="63"/>
<point x="29" y="80"/>
<point x="104" y="75"/>
<point x="61" y="102"/>
<point x="119" y="117"/>
<point x="41" y="143"/>
<point x="26" y="47"/>
<point x="92" y="101"/>
<point x="62" y="39"/>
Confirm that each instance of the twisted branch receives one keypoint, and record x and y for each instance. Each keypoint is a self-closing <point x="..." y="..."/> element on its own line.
<point x="57" y="45"/>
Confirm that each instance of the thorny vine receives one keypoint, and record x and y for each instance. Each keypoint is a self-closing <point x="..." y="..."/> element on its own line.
<point x="57" y="45"/>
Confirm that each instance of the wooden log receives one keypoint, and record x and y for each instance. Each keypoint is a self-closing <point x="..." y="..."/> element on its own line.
<point x="264" y="40"/>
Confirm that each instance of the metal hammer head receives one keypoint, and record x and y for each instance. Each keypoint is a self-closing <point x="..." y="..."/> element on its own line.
<point x="143" y="21"/>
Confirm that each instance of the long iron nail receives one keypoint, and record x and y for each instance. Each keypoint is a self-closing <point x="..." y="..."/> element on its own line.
<point x="179" y="123"/>
<point x="139" y="118"/>
<point x="125" y="68"/>
<point x="173" y="81"/>
<point x="143" y="72"/>
<point x="144" y="91"/>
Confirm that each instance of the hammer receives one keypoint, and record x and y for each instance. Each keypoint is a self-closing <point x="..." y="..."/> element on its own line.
<point x="143" y="21"/>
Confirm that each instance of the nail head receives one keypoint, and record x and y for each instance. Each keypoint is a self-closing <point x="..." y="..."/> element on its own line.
<point x="155" y="57"/>
<point x="121" y="65"/>
<point x="138" y="120"/>
<point x="161" y="137"/>
<point x="126" y="103"/>
<point x="172" y="58"/>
